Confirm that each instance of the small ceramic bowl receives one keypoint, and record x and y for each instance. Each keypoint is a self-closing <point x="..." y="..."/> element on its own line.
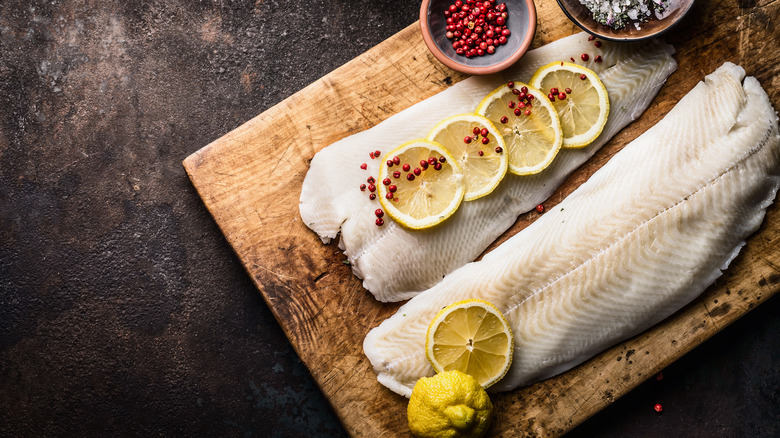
<point x="521" y="22"/>
<point x="582" y="17"/>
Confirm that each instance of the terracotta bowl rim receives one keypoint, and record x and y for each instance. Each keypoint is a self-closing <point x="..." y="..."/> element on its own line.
<point x="478" y="70"/>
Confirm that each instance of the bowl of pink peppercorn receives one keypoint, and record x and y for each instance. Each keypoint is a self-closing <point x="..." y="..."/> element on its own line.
<point x="478" y="37"/>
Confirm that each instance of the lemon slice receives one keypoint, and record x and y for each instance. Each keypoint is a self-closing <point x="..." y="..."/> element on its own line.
<point x="529" y="124"/>
<point x="471" y="336"/>
<point x="585" y="105"/>
<point x="484" y="162"/>
<point x="423" y="186"/>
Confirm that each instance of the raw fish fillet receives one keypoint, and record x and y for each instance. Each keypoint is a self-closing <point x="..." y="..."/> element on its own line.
<point x="396" y="264"/>
<point x="645" y="235"/>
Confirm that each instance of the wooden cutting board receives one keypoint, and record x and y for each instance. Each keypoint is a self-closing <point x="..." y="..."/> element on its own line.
<point x="250" y="181"/>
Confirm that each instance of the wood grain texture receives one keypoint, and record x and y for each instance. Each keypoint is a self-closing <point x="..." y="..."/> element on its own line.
<point x="250" y="181"/>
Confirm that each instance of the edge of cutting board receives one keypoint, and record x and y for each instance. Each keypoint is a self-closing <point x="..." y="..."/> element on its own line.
<point x="250" y="182"/>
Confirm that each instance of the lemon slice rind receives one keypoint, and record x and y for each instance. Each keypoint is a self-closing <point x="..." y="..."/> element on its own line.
<point x="437" y="187"/>
<point x="570" y="140"/>
<point x="456" y="340"/>
<point x="540" y="136"/>
<point x="483" y="173"/>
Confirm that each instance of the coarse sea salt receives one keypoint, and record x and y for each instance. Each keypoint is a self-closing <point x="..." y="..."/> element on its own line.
<point x="619" y="13"/>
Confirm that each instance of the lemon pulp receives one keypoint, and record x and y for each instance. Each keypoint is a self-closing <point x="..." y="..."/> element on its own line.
<point x="420" y="195"/>
<point x="584" y="109"/>
<point x="471" y="336"/>
<point x="532" y="134"/>
<point x="484" y="162"/>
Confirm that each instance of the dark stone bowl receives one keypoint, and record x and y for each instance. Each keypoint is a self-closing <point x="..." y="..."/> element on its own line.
<point x="582" y="17"/>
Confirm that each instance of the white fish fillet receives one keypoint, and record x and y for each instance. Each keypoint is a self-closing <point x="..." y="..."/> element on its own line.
<point x="645" y="235"/>
<point x="331" y="201"/>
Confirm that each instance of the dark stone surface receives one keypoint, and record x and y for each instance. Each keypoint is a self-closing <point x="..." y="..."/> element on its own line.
<point x="123" y="311"/>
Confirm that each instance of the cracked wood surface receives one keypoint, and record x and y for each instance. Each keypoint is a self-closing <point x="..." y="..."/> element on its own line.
<point x="252" y="190"/>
